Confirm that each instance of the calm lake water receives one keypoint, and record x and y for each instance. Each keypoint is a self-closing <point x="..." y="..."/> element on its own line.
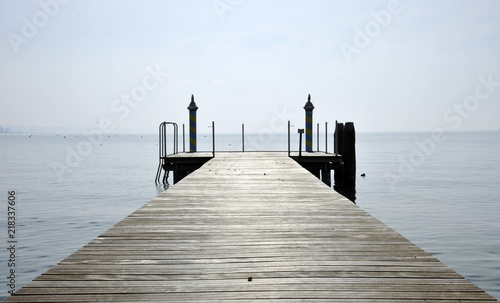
<point x="443" y="195"/>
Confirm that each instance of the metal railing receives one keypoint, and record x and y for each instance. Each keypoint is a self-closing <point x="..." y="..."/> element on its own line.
<point x="301" y="131"/>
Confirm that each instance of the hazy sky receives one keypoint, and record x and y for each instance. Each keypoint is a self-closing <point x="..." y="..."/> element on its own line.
<point x="385" y="65"/>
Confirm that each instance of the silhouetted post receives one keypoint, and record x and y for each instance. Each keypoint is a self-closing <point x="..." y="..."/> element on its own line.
<point x="243" y="137"/>
<point x="192" y="124"/>
<point x="345" y="176"/>
<point x="300" y="131"/>
<point x="309" y="124"/>
<point x="349" y="154"/>
<point x="337" y="137"/>
<point x="337" y="141"/>
<point x="326" y="175"/>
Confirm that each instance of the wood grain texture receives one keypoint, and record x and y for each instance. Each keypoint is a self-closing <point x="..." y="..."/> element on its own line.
<point x="250" y="214"/>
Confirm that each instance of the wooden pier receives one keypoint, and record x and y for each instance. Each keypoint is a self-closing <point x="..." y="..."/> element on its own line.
<point x="249" y="227"/>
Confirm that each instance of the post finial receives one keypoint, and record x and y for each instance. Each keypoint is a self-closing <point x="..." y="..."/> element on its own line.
<point x="309" y="106"/>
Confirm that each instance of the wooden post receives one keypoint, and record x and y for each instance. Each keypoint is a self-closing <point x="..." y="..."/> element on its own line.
<point x="192" y="124"/>
<point x="337" y="139"/>
<point x="345" y="145"/>
<point x="349" y="154"/>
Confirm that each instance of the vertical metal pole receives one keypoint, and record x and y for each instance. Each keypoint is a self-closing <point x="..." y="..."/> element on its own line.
<point x="183" y="139"/>
<point x="288" y="138"/>
<point x="309" y="124"/>
<point x="326" y="137"/>
<point x="213" y="138"/>
<point x="176" y="138"/>
<point x="160" y="133"/>
<point x="192" y="124"/>
<point x="164" y="138"/>
<point x="317" y="135"/>
<point x="300" y="131"/>
<point x="160" y="153"/>
<point x="243" y="137"/>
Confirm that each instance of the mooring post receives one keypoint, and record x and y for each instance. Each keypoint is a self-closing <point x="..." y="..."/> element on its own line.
<point x="349" y="154"/>
<point x="309" y="124"/>
<point x="345" y="145"/>
<point x="337" y="137"/>
<point x="192" y="124"/>
<point x="337" y="141"/>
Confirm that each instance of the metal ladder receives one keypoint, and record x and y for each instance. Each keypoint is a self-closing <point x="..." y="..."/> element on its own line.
<point x="163" y="148"/>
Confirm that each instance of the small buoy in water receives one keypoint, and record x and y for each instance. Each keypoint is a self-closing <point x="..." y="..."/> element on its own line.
<point x="250" y="278"/>
<point x="363" y="175"/>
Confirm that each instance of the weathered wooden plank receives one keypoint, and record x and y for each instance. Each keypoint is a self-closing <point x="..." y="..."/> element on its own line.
<point x="291" y="290"/>
<point x="278" y="282"/>
<point x="269" y="295"/>
<point x="250" y="214"/>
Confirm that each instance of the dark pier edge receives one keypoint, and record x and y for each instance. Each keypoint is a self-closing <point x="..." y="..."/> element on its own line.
<point x="320" y="165"/>
<point x="183" y="166"/>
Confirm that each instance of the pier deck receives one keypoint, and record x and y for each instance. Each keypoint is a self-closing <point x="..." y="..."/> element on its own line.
<point x="250" y="214"/>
